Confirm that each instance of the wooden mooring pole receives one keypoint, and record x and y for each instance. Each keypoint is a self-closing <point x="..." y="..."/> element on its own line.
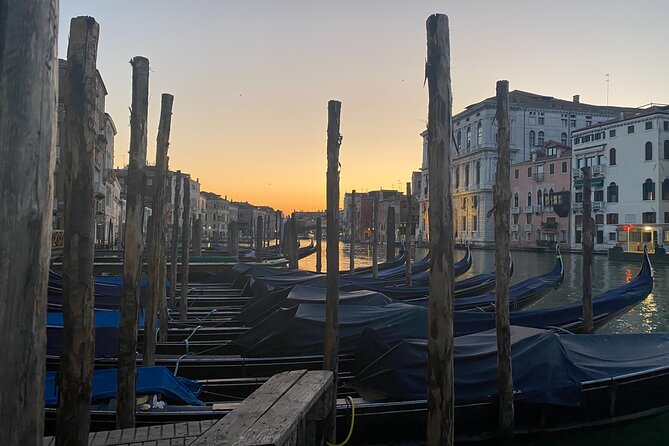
<point x="185" y="250"/>
<point x="294" y="243"/>
<point x="156" y="254"/>
<point x="319" y="245"/>
<point x="78" y="150"/>
<point x="375" y="239"/>
<point x="587" y="242"/>
<point x="28" y="107"/>
<point x="408" y="237"/>
<point x="331" y="348"/>
<point x="134" y="246"/>
<point x="440" y="392"/>
<point x="174" y="258"/>
<point x="390" y="233"/>
<point x="197" y="237"/>
<point x="233" y="239"/>
<point x="352" y="217"/>
<point x="259" y="238"/>
<point x="502" y="201"/>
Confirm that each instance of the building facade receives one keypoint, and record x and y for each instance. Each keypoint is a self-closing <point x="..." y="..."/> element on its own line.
<point x="535" y="119"/>
<point x="629" y="160"/>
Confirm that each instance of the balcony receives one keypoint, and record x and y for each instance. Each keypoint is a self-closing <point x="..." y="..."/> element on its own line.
<point x="538" y="209"/>
<point x="99" y="190"/>
<point x="515" y="210"/>
<point x="598" y="170"/>
<point x="528" y="209"/>
<point x="550" y="225"/>
<point x="576" y="173"/>
<point x="577" y="207"/>
<point x="514" y="228"/>
<point x="598" y="206"/>
<point x="539" y="176"/>
<point x="528" y="227"/>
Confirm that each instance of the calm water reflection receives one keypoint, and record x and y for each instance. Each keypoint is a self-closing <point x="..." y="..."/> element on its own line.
<point x="649" y="316"/>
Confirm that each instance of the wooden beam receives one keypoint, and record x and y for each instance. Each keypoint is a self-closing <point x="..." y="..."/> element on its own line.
<point x="197" y="237"/>
<point x="28" y="106"/>
<point x="259" y="238"/>
<point x="78" y="150"/>
<point x="587" y="244"/>
<point x="352" y="217"/>
<point x="331" y="348"/>
<point x="375" y="239"/>
<point x="408" y="237"/>
<point x="442" y="278"/>
<point x="390" y="234"/>
<point x="134" y="246"/>
<point x="319" y="245"/>
<point x="156" y="255"/>
<point x="185" y="250"/>
<point x="502" y="200"/>
<point x="174" y="258"/>
<point x="233" y="239"/>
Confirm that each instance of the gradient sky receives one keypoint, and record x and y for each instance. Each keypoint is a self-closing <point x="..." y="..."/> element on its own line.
<point x="252" y="78"/>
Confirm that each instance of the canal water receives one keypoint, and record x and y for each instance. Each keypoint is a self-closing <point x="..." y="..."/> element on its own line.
<point x="651" y="315"/>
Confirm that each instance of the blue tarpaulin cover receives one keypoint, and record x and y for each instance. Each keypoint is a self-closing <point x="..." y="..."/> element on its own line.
<point x="150" y="380"/>
<point x="547" y="368"/>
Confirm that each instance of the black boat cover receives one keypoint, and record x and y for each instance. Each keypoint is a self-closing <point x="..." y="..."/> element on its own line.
<point x="547" y="368"/>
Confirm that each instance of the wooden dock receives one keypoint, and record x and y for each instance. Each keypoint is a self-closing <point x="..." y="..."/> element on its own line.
<point x="289" y="409"/>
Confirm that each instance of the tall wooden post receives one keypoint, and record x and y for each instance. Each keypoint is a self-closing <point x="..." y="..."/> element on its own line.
<point x="294" y="244"/>
<point x="319" y="245"/>
<point x="185" y="250"/>
<point x="156" y="255"/>
<point x="408" y="236"/>
<point x="352" y="218"/>
<point x="233" y="238"/>
<point x="587" y="250"/>
<point x="134" y="246"/>
<point x="174" y="257"/>
<point x="502" y="197"/>
<point x="78" y="343"/>
<point x="277" y="233"/>
<point x="197" y="237"/>
<point x="28" y="107"/>
<point x="375" y="240"/>
<point x="440" y="391"/>
<point x="259" y="238"/>
<point x="331" y="349"/>
<point x="390" y="234"/>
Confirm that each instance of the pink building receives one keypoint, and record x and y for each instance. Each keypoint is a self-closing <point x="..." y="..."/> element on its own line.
<point x="540" y="199"/>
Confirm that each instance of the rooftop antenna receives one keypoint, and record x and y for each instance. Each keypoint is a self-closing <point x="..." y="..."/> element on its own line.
<point x="606" y="76"/>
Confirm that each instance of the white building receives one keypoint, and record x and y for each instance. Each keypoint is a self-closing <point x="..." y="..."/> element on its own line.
<point x="216" y="217"/>
<point x="535" y="119"/>
<point x="629" y="158"/>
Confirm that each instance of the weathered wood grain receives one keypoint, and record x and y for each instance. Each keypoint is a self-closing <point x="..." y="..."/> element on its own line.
<point x="185" y="250"/>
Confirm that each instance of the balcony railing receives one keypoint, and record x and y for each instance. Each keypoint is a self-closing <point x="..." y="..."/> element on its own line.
<point x="514" y="228"/>
<point x="577" y="207"/>
<point x="515" y="210"/>
<point x="538" y="209"/>
<point x="598" y="206"/>
<point x="576" y="172"/>
<point x="539" y="176"/>
<point x="549" y="225"/>
<point x="598" y="170"/>
<point x="528" y="227"/>
<point x="529" y="209"/>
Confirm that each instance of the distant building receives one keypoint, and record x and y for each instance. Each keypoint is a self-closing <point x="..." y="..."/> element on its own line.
<point x="535" y="119"/>
<point x="540" y="198"/>
<point x="364" y="203"/>
<point x="629" y="159"/>
<point x="216" y="217"/>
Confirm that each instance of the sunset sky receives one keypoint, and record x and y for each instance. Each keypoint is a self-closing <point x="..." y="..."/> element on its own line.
<point x="252" y="79"/>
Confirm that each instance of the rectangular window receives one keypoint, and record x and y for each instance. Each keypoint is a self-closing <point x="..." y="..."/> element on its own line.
<point x="475" y="223"/>
<point x="612" y="236"/>
<point x="612" y="133"/>
<point x="666" y="219"/>
<point x="588" y="123"/>
<point x="564" y="167"/>
<point x="578" y="220"/>
<point x="573" y="122"/>
<point x="648" y="217"/>
<point x="666" y="125"/>
<point x="630" y="129"/>
<point x="649" y="125"/>
<point x="599" y="219"/>
<point x="529" y="172"/>
<point x="515" y="174"/>
<point x="578" y="197"/>
<point x="541" y="121"/>
<point x="551" y="169"/>
<point x="612" y="219"/>
<point x="564" y="123"/>
<point x="578" y="237"/>
<point x="599" y="195"/>
<point x="515" y="219"/>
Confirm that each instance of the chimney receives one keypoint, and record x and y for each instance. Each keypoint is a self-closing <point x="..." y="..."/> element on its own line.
<point x="577" y="98"/>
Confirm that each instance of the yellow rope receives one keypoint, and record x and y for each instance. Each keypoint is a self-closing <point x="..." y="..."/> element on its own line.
<point x="350" y="430"/>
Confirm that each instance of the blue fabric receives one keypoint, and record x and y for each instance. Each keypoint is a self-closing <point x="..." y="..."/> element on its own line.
<point x="150" y="380"/>
<point x="103" y="319"/>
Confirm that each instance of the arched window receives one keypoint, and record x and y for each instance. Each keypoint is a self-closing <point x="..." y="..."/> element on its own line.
<point x="612" y="157"/>
<point x="551" y="197"/>
<point x="546" y="202"/>
<point x="649" y="151"/>
<point x="469" y="136"/>
<point x="539" y="197"/>
<point x="457" y="177"/>
<point x="529" y="198"/>
<point x="666" y="150"/>
<point x="665" y="189"/>
<point x="478" y="173"/>
<point x="532" y="136"/>
<point x="459" y="138"/>
<point x="467" y="175"/>
<point x="564" y="139"/>
<point x="479" y="133"/>
<point x="563" y="236"/>
<point x="612" y="193"/>
<point x="515" y="200"/>
<point x="648" y="190"/>
<point x="540" y="139"/>
<point x="538" y="234"/>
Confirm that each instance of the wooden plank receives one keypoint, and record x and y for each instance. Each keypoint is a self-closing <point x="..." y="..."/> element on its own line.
<point x="258" y="403"/>
<point x="142" y="433"/>
<point x="441" y="400"/>
<point x="28" y="106"/>
<point x="156" y="432"/>
<point x="168" y="431"/>
<point x="276" y="425"/>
